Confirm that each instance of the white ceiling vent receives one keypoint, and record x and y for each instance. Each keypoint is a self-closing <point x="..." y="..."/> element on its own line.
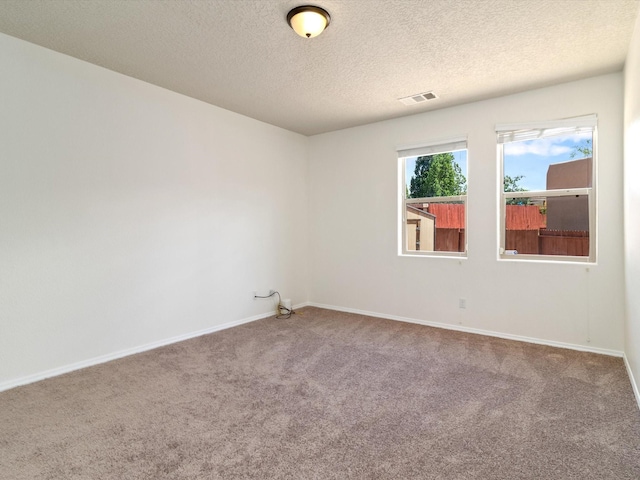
<point x="418" y="98"/>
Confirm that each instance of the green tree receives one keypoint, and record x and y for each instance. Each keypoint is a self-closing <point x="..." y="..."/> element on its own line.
<point x="511" y="185"/>
<point x="585" y="149"/>
<point x="437" y="176"/>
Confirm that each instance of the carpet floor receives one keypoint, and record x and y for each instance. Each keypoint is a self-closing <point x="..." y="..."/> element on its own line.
<point x="329" y="395"/>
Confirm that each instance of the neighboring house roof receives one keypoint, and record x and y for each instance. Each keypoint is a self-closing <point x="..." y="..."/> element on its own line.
<point x="420" y="212"/>
<point x="525" y="217"/>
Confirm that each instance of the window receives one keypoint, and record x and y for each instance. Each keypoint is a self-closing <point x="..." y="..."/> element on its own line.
<point x="433" y="192"/>
<point x="547" y="207"/>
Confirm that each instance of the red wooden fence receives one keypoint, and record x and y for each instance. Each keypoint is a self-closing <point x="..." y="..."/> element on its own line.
<point x="526" y="232"/>
<point x="548" y="242"/>
<point x="564" y="242"/>
<point x="449" y="240"/>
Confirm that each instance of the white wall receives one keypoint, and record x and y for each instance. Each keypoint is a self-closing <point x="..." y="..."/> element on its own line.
<point x="354" y="211"/>
<point x="632" y="204"/>
<point x="130" y="214"/>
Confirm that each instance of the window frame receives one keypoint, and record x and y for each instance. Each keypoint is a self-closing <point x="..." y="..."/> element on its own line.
<point x="523" y="132"/>
<point x="444" y="146"/>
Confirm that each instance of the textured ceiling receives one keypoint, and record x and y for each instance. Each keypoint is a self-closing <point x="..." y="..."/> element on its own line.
<point x="241" y="55"/>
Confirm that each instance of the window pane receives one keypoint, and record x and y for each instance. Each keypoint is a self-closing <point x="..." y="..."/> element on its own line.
<point x="439" y="175"/>
<point x="549" y="163"/>
<point x="547" y="225"/>
<point x="435" y="227"/>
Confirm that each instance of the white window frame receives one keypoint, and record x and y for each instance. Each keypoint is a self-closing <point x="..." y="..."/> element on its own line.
<point x="432" y="148"/>
<point x="509" y="133"/>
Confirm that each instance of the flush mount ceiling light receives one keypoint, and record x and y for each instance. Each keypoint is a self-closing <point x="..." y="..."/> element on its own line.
<point x="308" y="21"/>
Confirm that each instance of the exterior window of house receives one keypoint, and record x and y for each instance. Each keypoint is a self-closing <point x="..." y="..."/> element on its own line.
<point x="547" y="190"/>
<point x="433" y="193"/>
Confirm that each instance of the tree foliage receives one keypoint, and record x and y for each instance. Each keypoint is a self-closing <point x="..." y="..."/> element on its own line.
<point x="585" y="149"/>
<point x="437" y="176"/>
<point x="511" y="185"/>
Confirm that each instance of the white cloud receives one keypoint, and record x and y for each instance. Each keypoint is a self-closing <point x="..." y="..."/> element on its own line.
<point x="577" y="138"/>
<point x="545" y="147"/>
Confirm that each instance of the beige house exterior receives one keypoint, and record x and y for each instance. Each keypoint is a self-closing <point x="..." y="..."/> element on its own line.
<point x="421" y="229"/>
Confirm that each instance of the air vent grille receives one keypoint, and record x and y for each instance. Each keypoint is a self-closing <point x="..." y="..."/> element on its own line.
<point x="418" y="98"/>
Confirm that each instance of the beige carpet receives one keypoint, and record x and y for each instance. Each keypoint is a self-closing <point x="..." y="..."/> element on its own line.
<point x="328" y="395"/>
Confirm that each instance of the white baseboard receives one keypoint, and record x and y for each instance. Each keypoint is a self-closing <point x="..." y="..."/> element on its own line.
<point x="460" y="328"/>
<point x="129" y="351"/>
<point x="634" y="385"/>
<point x="149" y="346"/>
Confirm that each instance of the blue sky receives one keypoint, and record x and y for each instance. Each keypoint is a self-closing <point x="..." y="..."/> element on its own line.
<point x="531" y="159"/>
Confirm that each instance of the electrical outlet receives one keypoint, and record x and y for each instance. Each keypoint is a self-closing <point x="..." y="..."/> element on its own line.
<point x="462" y="303"/>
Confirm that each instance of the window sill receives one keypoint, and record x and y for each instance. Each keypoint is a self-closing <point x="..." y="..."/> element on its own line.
<point x="556" y="259"/>
<point x="450" y="255"/>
